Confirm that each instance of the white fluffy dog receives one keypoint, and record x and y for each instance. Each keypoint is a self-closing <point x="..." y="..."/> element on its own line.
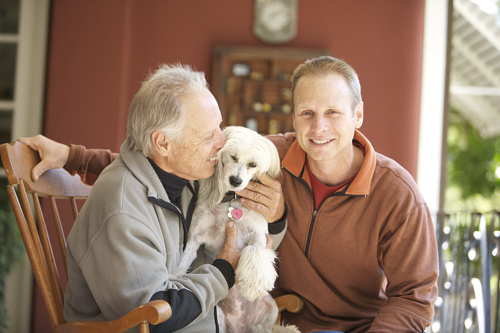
<point x="244" y="154"/>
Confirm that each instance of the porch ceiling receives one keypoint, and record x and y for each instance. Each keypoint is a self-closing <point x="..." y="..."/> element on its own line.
<point x="475" y="67"/>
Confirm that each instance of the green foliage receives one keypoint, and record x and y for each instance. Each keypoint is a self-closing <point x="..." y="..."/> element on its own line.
<point x="11" y="247"/>
<point x="473" y="168"/>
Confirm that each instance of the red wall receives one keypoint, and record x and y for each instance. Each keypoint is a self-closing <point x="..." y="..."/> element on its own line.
<point x="100" y="52"/>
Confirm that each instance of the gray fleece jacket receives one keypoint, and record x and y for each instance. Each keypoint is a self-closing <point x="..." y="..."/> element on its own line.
<point x="125" y="243"/>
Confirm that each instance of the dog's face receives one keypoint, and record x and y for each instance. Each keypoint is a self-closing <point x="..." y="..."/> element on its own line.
<point x="244" y="154"/>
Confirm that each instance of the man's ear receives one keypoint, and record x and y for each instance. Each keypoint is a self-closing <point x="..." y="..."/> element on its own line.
<point x="161" y="143"/>
<point x="358" y="115"/>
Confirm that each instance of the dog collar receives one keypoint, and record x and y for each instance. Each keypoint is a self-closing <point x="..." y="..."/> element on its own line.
<point x="230" y="196"/>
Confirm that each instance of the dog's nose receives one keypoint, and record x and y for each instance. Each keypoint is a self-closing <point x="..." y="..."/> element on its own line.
<point x="235" y="181"/>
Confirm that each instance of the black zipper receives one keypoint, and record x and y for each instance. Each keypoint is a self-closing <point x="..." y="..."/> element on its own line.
<point x="186" y="221"/>
<point x="315" y="212"/>
<point x="173" y="208"/>
<point x="309" y="234"/>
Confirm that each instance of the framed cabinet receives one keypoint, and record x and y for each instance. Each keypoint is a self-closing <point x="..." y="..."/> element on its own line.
<point x="252" y="85"/>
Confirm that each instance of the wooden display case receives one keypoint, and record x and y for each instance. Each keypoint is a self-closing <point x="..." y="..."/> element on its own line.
<point x="252" y="85"/>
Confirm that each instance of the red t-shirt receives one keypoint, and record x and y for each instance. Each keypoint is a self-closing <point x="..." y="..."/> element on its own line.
<point x="321" y="191"/>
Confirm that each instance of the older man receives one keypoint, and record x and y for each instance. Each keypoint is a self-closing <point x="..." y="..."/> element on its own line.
<point x="129" y="235"/>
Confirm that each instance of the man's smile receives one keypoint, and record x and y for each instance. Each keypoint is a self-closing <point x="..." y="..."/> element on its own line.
<point x="320" y="142"/>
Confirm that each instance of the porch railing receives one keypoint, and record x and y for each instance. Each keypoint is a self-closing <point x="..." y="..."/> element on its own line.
<point x="469" y="250"/>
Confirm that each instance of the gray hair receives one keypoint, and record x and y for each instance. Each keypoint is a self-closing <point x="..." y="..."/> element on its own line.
<point x="158" y="105"/>
<point x="327" y="65"/>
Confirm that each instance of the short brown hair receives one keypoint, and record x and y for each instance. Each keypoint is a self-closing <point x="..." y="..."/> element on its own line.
<point x="327" y="65"/>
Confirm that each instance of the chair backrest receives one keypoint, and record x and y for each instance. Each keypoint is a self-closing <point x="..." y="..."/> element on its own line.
<point x="59" y="187"/>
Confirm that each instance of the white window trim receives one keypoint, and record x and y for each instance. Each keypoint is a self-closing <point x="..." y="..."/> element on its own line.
<point x="28" y="107"/>
<point x="431" y="168"/>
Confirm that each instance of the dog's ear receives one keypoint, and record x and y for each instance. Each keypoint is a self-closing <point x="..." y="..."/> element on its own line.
<point x="213" y="189"/>
<point x="228" y="129"/>
<point x="274" y="159"/>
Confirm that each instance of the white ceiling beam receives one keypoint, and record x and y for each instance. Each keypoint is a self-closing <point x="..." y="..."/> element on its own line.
<point x="485" y="24"/>
<point x="473" y="58"/>
<point x="484" y="123"/>
<point x="470" y="90"/>
<point x="479" y="110"/>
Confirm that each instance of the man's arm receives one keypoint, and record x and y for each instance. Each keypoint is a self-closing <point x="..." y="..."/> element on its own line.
<point x="88" y="163"/>
<point x="410" y="262"/>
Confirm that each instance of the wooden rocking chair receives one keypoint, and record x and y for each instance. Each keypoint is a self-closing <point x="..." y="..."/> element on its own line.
<point x="59" y="187"/>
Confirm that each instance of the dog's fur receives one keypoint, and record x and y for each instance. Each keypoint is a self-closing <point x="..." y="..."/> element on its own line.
<point x="244" y="154"/>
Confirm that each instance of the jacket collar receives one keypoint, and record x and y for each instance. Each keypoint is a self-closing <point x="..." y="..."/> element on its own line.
<point x="139" y="165"/>
<point x="295" y="158"/>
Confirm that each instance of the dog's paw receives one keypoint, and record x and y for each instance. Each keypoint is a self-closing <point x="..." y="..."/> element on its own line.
<point x="256" y="273"/>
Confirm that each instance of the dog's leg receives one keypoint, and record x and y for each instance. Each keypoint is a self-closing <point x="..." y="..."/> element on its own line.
<point x="256" y="271"/>
<point x="262" y="314"/>
<point x="261" y="317"/>
<point x="236" y="311"/>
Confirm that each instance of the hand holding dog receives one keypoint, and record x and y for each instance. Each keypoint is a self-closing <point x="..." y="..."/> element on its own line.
<point x="265" y="197"/>
<point x="230" y="251"/>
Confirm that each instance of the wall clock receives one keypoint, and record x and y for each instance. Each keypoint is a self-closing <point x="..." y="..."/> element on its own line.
<point x="275" y="21"/>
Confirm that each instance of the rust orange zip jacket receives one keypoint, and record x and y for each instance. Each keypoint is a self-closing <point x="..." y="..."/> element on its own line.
<point x="366" y="260"/>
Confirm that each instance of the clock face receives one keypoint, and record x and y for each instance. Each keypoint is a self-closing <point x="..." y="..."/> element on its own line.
<point x="275" y="16"/>
<point x="275" y="21"/>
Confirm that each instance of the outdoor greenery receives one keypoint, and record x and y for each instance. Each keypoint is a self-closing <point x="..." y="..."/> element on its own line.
<point x="11" y="246"/>
<point x="473" y="175"/>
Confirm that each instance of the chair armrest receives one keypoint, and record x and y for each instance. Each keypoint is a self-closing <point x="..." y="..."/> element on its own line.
<point x="154" y="312"/>
<point x="291" y="303"/>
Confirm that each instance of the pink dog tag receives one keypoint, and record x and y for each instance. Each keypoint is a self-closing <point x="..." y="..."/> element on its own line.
<point x="235" y="214"/>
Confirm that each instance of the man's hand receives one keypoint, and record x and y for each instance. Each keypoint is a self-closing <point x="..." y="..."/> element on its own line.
<point x="230" y="251"/>
<point x="265" y="197"/>
<point x="53" y="154"/>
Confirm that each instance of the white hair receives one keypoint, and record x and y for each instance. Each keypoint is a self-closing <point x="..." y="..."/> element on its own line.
<point x="158" y="105"/>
